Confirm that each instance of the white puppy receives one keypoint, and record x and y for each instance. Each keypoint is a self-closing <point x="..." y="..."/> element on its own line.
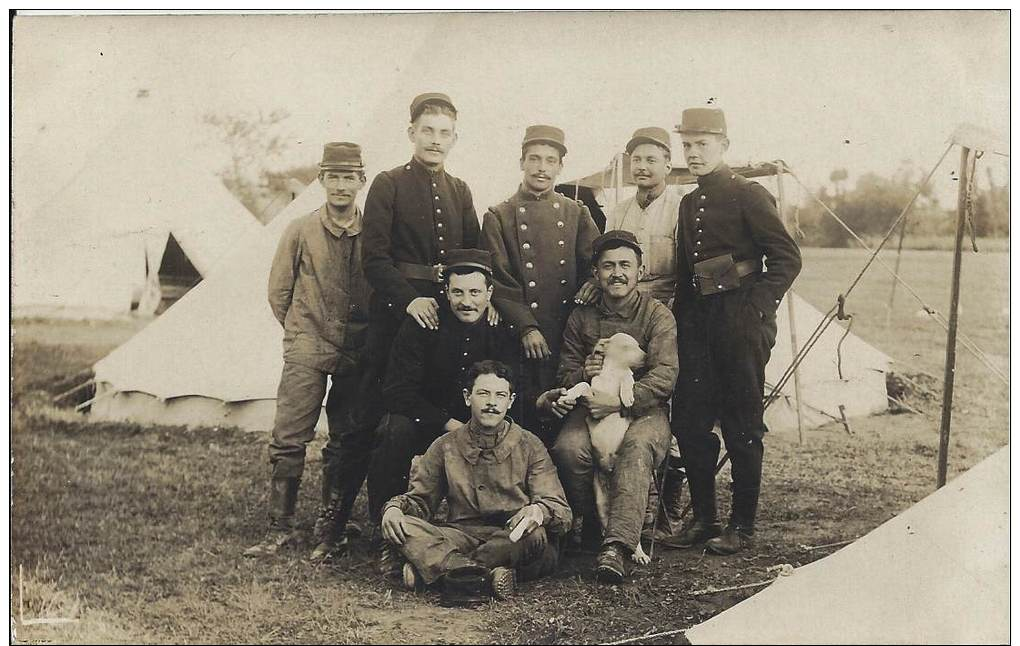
<point x="621" y="355"/>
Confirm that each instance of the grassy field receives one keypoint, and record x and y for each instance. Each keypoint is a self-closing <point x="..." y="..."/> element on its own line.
<point x="138" y="530"/>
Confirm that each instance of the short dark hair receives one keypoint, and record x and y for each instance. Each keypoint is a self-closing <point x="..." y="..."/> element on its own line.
<point x="488" y="367"/>
<point x="323" y="171"/>
<point x="615" y="244"/>
<point x="524" y="149"/>
<point x="665" y="151"/>
<point x="464" y="271"/>
<point x="435" y="107"/>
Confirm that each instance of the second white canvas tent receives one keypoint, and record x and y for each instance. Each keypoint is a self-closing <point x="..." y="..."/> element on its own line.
<point x="94" y="250"/>
<point x="214" y="358"/>
<point x="936" y="574"/>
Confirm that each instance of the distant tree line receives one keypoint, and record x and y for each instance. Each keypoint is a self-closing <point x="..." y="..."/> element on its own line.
<point x="874" y="202"/>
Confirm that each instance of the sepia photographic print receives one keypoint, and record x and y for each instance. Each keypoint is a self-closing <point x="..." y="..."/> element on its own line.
<point x="541" y="327"/>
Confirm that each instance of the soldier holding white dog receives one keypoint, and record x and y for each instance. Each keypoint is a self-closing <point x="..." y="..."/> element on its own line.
<point x="620" y="307"/>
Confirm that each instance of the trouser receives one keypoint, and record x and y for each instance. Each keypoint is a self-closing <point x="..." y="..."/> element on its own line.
<point x="643" y="448"/>
<point x="298" y="404"/>
<point x="397" y="441"/>
<point x="434" y="550"/>
<point x="724" y="345"/>
<point x="537" y="376"/>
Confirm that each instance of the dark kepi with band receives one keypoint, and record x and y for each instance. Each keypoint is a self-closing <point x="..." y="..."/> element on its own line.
<point x="708" y="120"/>
<point x="545" y="135"/>
<point x="341" y="155"/>
<point x="419" y="102"/>
<point x="650" y="135"/>
<point x="475" y="258"/>
<point x="614" y="239"/>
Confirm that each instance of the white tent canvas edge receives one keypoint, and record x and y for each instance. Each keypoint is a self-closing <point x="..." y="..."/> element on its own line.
<point x="936" y="573"/>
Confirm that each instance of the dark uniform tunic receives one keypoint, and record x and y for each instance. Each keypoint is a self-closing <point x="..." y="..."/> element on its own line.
<point x="541" y="254"/>
<point x="423" y="389"/>
<point x="725" y="339"/>
<point x="413" y="216"/>
<point x="318" y="293"/>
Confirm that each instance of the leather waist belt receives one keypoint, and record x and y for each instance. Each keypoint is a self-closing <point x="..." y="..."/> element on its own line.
<point x="747" y="267"/>
<point x="412" y="271"/>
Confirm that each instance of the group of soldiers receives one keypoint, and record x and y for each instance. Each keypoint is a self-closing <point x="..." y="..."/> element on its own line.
<point x="440" y="338"/>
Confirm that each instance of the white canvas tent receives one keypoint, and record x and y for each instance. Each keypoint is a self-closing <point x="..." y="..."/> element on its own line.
<point x="94" y="250"/>
<point x="214" y="358"/>
<point x="936" y="574"/>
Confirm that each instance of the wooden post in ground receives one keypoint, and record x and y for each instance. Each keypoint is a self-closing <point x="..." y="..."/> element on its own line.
<point x="780" y="169"/>
<point x="954" y="313"/>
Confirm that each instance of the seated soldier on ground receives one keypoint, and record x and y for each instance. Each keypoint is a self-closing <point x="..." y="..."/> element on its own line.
<point x="494" y="475"/>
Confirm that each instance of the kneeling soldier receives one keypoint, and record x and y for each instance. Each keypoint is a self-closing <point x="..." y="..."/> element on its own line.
<point x="494" y="475"/>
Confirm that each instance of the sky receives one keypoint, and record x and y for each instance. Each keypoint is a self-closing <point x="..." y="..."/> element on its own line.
<point x="821" y="90"/>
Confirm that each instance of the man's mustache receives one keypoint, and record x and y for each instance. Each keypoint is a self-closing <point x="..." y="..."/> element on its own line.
<point x="466" y="308"/>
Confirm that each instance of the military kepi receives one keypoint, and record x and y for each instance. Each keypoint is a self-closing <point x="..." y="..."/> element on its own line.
<point x="475" y="258"/>
<point x="418" y="104"/>
<point x="545" y="135"/>
<point x="341" y="155"/>
<point x="613" y="239"/>
<point x="650" y="135"/>
<point x="710" y="120"/>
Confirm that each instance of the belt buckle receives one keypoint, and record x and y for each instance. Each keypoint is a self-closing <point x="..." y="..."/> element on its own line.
<point x="437" y="273"/>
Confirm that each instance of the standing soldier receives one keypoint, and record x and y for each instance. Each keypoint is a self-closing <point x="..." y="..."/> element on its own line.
<point x="541" y="253"/>
<point x="725" y="308"/>
<point x="414" y="215"/>
<point x="651" y="216"/>
<point x="319" y="294"/>
<point x="652" y="213"/>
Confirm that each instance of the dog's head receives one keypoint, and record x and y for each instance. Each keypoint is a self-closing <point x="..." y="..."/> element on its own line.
<point x="623" y="350"/>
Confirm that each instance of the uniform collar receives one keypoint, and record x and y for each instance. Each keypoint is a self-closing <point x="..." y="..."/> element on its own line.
<point x="416" y="164"/>
<point x="352" y="228"/>
<point x="625" y="310"/>
<point x="528" y="196"/>
<point x="470" y="450"/>
<point x="721" y="174"/>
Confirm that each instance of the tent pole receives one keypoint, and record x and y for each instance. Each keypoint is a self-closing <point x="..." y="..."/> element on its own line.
<point x="780" y="169"/>
<point x="954" y="314"/>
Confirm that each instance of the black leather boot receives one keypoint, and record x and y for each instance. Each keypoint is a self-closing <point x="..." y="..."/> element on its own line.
<point x="283" y="494"/>
<point x="705" y="524"/>
<point x="734" y="539"/>
<point x="329" y="534"/>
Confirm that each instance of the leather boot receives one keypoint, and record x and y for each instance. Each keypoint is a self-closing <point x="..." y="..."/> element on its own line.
<point x="283" y="494"/>
<point x="733" y="540"/>
<point x="329" y="535"/>
<point x="706" y="520"/>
